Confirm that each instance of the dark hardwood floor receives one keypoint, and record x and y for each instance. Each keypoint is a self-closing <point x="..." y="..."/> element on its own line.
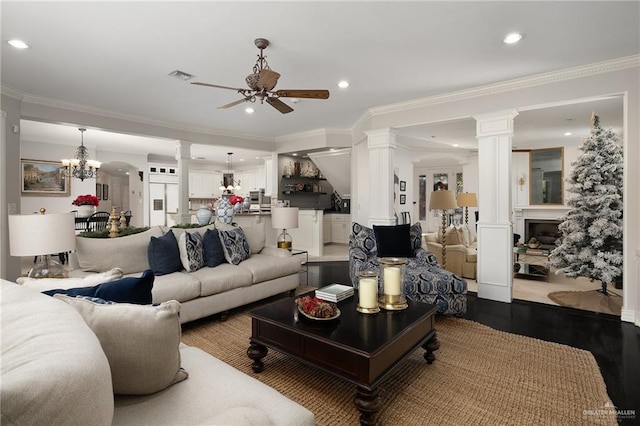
<point x="614" y="344"/>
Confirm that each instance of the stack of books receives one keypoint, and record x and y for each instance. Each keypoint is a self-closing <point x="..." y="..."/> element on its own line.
<point x="334" y="292"/>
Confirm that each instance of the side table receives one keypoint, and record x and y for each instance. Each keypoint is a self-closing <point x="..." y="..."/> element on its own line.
<point x="304" y="263"/>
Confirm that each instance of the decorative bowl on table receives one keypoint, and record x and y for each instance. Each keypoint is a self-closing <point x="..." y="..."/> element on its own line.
<point x="317" y="309"/>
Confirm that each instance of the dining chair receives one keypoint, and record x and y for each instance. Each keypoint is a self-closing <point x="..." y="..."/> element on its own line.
<point x="98" y="221"/>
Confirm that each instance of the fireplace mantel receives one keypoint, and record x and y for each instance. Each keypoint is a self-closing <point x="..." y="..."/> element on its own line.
<point x="536" y="212"/>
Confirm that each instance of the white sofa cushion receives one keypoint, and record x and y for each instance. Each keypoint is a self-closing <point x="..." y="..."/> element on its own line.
<point x="222" y="278"/>
<point x="264" y="268"/>
<point x="141" y="342"/>
<point x="127" y="253"/>
<point x="54" y="371"/>
<point x="180" y="286"/>
<point x="215" y="393"/>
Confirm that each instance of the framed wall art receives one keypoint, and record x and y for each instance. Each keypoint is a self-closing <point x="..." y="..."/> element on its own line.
<point x="99" y="191"/>
<point x="44" y="178"/>
<point x="105" y="191"/>
<point x="403" y="199"/>
<point x="403" y="185"/>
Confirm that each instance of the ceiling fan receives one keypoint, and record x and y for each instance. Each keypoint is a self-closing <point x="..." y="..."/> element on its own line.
<point x="261" y="83"/>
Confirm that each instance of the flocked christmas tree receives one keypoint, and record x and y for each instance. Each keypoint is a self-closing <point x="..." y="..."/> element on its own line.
<point x="591" y="233"/>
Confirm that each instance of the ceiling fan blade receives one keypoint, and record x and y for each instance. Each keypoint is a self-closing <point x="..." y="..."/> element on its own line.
<point x="292" y="93"/>
<point x="279" y="105"/>
<point x="216" y="85"/>
<point x="268" y="79"/>
<point x="233" y="103"/>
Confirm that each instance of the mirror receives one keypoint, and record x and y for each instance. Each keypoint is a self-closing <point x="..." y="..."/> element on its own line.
<point x="546" y="176"/>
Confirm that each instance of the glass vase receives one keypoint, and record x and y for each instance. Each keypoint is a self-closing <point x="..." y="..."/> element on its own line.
<point x="392" y="271"/>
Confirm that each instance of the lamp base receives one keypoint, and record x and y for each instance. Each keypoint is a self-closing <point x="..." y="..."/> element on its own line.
<point x="284" y="240"/>
<point x="46" y="267"/>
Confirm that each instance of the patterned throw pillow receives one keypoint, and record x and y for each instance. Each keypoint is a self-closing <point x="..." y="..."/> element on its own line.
<point x="235" y="245"/>
<point x="191" y="254"/>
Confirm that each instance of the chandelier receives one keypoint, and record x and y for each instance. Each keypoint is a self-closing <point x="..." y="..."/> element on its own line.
<point x="228" y="179"/>
<point x="81" y="167"/>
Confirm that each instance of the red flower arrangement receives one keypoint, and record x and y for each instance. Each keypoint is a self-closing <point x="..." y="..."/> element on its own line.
<point x="235" y="199"/>
<point x="316" y="307"/>
<point x="86" y="200"/>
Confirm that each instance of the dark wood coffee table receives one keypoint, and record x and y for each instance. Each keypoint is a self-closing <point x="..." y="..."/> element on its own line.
<point x="362" y="349"/>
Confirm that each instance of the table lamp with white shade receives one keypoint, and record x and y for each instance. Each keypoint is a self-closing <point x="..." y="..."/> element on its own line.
<point x="41" y="235"/>
<point x="443" y="200"/>
<point x="284" y="218"/>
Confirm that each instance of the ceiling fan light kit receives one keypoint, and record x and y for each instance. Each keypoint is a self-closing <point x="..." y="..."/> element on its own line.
<point x="261" y="84"/>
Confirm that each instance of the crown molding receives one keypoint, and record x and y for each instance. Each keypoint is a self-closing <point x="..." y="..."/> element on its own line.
<point x="55" y="103"/>
<point x="11" y="92"/>
<point x="312" y="133"/>
<point x="506" y="86"/>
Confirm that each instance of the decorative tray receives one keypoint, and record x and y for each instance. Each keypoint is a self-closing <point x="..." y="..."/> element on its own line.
<point x="306" y="315"/>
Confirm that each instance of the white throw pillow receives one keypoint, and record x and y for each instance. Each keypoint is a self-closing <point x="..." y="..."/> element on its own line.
<point x="463" y="231"/>
<point x="140" y="341"/>
<point x="43" y="284"/>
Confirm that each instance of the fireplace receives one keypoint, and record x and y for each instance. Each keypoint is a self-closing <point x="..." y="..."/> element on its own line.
<point x="544" y="230"/>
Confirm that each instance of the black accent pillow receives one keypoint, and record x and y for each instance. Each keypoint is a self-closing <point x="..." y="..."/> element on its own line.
<point x="135" y="290"/>
<point x="393" y="241"/>
<point x="212" y="248"/>
<point x="164" y="254"/>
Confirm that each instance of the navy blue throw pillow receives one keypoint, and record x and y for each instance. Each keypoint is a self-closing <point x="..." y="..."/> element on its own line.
<point x="393" y="241"/>
<point x="164" y="254"/>
<point x="212" y="248"/>
<point x="125" y="290"/>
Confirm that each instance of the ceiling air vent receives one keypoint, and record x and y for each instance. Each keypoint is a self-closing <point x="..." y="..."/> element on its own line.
<point x="180" y="75"/>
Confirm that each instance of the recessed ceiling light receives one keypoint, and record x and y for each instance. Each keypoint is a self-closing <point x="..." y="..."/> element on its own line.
<point x="294" y="100"/>
<point x="249" y="110"/>
<point x="18" y="44"/>
<point x="127" y="173"/>
<point x="332" y="150"/>
<point x="512" y="38"/>
<point x="343" y="84"/>
<point x="257" y="158"/>
<point x="568" y="133"/>
<point x="295" y="154"/>
<point x="455" y="144"/>
<point x="242" y="159"/>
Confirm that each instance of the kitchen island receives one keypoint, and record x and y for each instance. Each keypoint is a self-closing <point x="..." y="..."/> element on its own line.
<point x="307" y="236"/>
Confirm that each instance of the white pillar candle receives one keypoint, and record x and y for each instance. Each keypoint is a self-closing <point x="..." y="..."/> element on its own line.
<point x="391" y="278"/>
<point x="368" y="292"/>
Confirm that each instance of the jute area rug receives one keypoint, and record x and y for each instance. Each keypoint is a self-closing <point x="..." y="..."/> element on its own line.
<point x="481" y="376"/>
<point x="592" y="300"/>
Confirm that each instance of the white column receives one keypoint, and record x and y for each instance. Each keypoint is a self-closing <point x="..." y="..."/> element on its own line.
<point x="183" y="155"/>
<point x="495" y="229"/>
<point x="382" y="145"/>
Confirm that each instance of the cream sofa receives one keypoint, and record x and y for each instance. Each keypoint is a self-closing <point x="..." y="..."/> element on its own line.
<point x="207" y="291"/>
<point x="56" y="372"/>
<point x="461" y="252"/>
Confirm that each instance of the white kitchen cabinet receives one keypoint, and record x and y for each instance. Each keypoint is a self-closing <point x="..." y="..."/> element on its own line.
<point x="203" y="185"/>
<point x="326" y="229"/>
<point x="247" y="180"/>
<point x="340" y="228"/>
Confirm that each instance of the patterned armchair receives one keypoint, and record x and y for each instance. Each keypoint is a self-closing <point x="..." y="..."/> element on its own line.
<point x="425" y="280"/>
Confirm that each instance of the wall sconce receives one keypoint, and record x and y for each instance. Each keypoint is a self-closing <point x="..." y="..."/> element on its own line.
<point x="521" y="181"/>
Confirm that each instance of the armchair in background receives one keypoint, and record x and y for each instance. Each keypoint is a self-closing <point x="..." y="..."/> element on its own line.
<point x="425" y="280"/>
<point x="462" y="254"/>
